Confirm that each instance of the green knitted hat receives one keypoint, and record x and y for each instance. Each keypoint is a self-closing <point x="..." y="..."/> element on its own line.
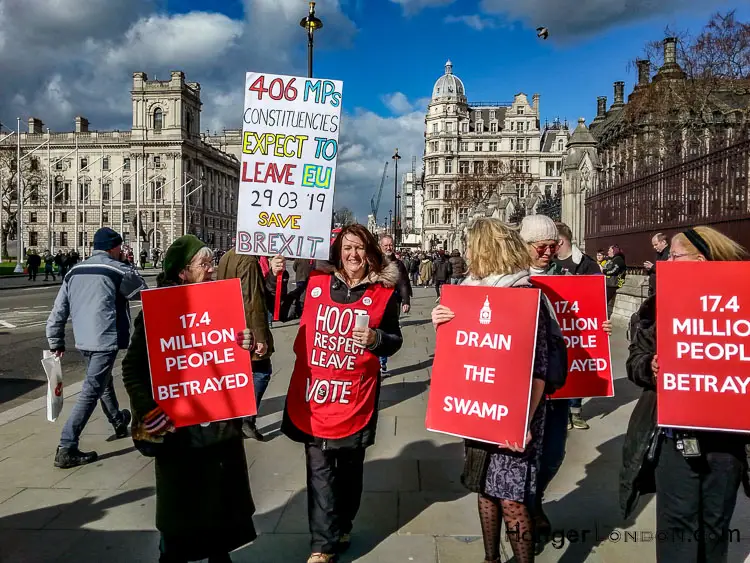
<point x="179" y="255"/>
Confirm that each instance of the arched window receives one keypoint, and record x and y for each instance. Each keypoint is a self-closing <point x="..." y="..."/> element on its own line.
<point x="158" y="119"/>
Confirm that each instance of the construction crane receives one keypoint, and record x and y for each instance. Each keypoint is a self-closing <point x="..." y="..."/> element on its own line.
<point x="375" y="200"/>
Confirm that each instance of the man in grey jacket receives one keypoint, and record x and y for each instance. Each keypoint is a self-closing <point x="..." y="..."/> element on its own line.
<point x="94" y="294"/>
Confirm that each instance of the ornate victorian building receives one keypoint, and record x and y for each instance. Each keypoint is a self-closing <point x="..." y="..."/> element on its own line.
<point x="493" y="149"/>
<point x="161" y="171"/>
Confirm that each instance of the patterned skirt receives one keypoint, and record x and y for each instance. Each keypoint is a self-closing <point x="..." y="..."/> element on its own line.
<point x="512" y="475"/>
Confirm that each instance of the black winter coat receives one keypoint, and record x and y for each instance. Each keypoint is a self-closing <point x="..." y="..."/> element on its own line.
<point x="660" y="257"/>
<point x="443" y="270"/>
<point x="403" y="287"/>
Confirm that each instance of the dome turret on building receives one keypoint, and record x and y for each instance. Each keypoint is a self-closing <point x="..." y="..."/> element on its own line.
<point x="449" y="86"/>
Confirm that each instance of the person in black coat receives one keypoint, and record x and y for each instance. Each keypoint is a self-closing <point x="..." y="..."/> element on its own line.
<point x="695" y="496"/>
<point x="443" y="272"/>
<point x="614" y="269"/>
<point x="661" y="245"/>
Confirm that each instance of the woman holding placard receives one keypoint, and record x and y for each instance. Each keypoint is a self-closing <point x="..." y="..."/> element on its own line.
<point x="696" y="474"/>
<point x="204" y="507"/>
<point x="351" y="317"/>
<point x="505" y="476"/>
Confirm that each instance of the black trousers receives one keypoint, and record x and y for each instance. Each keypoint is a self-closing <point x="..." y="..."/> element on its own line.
<point x="334" y="491"/>
<point x="695" y="499"/>
<point x="438" y="285"/>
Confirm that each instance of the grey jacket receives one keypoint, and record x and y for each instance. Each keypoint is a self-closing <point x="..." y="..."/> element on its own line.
<point x="95" y="294"/>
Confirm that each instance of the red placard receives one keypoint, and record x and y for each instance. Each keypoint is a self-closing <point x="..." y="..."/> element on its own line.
<point x="481" y="375"/>
<point x="199" y="373"/>
<point x="580" y="304"/>
<point x="703" y="325"/>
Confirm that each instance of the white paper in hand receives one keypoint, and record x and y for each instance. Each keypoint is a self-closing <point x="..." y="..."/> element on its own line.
<point x="53" y="370"/>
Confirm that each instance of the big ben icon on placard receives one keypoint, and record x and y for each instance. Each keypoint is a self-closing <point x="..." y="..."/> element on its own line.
<point x="485" y="315"/>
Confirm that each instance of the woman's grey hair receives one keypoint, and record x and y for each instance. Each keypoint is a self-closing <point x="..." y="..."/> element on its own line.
<point x="201" y="255"/>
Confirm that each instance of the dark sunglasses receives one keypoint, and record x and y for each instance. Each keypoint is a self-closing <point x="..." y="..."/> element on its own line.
<point x="541" y="249"/>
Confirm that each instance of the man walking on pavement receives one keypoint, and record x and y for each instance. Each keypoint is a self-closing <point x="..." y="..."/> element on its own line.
<point x="661" y="245"/>
<point x="95" y="295"/>
<point x="443" y="273"/>
<point x="403" y="287"/>
<point x="458" y="267"/>
<point x="248" y="270"/>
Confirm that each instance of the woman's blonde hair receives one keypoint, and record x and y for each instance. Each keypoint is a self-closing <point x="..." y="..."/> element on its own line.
<point x="721" y="246"/>
<point x="495" y="248"/>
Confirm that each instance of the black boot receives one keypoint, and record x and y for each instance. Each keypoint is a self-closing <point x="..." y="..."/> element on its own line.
<point x="249" y="430"/>
<point x="65" y="458"/>
<point x="121" y="430"/>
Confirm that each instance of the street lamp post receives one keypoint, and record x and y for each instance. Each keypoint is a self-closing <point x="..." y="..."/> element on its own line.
<point x="396" y="158"/>
<point x="390" y="220"/>
<point x="311" y="24"/>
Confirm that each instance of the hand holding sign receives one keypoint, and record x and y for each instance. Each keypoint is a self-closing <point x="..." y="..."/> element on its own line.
<point x="441" y="315"/>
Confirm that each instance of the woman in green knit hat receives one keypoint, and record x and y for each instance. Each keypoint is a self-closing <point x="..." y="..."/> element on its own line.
<point x="204" y="507"/>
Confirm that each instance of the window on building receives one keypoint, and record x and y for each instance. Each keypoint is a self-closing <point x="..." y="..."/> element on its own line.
<point x="528" y="144"/>
<point x="105" y="163"/>
<point x="63" y="238"/>
<point x="33" y="238"/>
<point x="464" y="147"/>
<point x="492" y="114"/>
<point x="449" y="146"/>
<point x="493" y="127"/>
<point x="80" y="217"/>
<point x="526" y="166"/>
<point x="434" y="146"/>
<point x="493" y="167"/>
<point x="548" y="189"/>
<point x="32" y="217"/>
<point x="84" y="163"/>
<point x="560" y="144"/>
<point x="479" y="127"/>
<point x="519" y="144"/>
<point x="59" y="165"/>
<point x="449" y="127"/>
<point x="157" y="161"/>
<point x="465" y="127"/>
<point x="434" y="127"/>
<point x="478" y="167"/>
<point x="156" y="191"/>
<point x="84" y="192"/>
<point x="477" y="147"/>
<point x="493" y="146"/>
<point x="434" y="192"/>
<point x="447" y="191"/>
<point x="463" y="214"/>
<point x="448" y="216"/>
<point x="158" y="120"/>
<point x="512" y="144"/>
<point x="432" y="216"/>
<point x="433" y="167"/>
<point x="550" y="168"/>
<point x="528" y="125"/>
<point x="463" y="167"/>
<point x="80" y="238"/>
<point x="519" y="110"/>
<point x="105" y="217"/>
<point x="521" y="190"/>
<point x="126" y="195"/>
<point x="34" y="164"/>
<point x="106" y="191"/>
<point x="34" y="193"/>
<point x="126" y="164"/>
<point x="448" y="166"/>
<point x="63" y="216"/>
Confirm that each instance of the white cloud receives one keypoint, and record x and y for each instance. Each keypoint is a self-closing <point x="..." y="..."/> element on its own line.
<point x="589" y="16"/>
<point x="397" y="102"/>
<point x="414" y="6"/>
<point x="475" y="21"/>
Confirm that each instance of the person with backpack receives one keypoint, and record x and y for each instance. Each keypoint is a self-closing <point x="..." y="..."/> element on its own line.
<point x="615" y="270"/>
<point x="542" y="238"/>
<point x="505" y="478"/>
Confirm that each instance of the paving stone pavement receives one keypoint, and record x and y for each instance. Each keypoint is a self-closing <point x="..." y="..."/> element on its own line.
<point x="413" y="509"/>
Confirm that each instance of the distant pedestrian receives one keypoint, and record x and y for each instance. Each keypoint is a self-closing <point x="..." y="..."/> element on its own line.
<point x="458" y="267"/>
<point x="443" y="273"/>
<point x="33" y="261"/>
<point x="614" y="269"/>
<point x="425" y="271"/>
<point x="95" y="295"/>
<point x="143" y="256"/>
<point x="49" y="264"/>
<point x="660" y="244"/>
<point x="403" y="287"/>
<point x="414" y="270"/>
<point x="60" y="263"/>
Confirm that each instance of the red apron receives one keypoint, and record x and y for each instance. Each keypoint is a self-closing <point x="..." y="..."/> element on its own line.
<point x="334" y="383"/>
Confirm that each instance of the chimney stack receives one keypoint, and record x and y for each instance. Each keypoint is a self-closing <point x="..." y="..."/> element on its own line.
<point x="601" y="108"/>
<point x="670" y="51"/>
<point x="36" y="125"/>
<point x="644" y="70"/>
<point x="82" y="125"/>
<point x="619" y="94"/>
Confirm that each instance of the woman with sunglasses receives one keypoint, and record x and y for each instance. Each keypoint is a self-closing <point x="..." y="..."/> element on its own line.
<point x="695" y="497"/>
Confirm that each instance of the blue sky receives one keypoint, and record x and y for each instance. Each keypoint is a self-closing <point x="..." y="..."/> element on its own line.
<point x="62" y="58"/>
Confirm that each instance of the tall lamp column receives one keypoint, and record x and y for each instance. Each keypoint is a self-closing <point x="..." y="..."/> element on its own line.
<point x="396" y="158"/>
<point x="311" y="24"/>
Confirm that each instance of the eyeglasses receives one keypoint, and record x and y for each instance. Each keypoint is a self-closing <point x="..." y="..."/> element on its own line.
<point x="205" y="265"/>
<point x="541" y="249"/>
<point x="678" y="256"/>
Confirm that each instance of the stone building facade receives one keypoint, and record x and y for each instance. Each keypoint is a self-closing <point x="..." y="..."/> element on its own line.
<point x="121" y="175"/>
<point x="462" y="138"/>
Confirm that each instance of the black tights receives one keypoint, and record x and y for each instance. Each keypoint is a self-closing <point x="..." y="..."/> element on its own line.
<point x="518" y="528"/>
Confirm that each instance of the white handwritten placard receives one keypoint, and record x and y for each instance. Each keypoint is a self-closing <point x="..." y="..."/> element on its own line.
<point x="289" y="150"/>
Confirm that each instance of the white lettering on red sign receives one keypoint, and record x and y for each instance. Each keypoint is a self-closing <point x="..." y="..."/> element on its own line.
<point x="333" y="345"/>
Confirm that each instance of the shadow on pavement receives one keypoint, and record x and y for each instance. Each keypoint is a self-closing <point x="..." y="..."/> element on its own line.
<point x="415" y="322"/>
<point x="371" y="529"/>
<point x="14" y="387"/>
<point x="625" y="392"/>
